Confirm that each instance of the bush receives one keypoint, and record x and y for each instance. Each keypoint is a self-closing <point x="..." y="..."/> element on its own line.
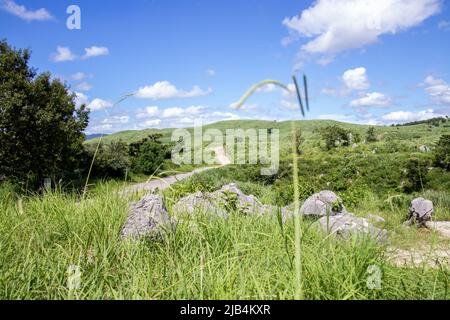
<point x="336" y="136"/>
<point x="442" y="153"/>
<point x="371" y="135"/>
<point x="111" y="161"/>
<point x="416" y="174"/>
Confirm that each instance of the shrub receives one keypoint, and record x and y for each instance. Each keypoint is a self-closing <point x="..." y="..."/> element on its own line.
<point x="151" y="156"/>
<point x="416" y="174"/>
<point x="442" y="153"/>
<point x="111" y="161"/>
<point x="336" y="136"/>
<point x="371" y="135"/>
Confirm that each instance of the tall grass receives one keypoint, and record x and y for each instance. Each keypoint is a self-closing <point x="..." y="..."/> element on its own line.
<point x="243" y="257"/>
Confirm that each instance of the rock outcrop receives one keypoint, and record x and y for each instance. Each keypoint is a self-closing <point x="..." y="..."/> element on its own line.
<point x="420" y="211"/>
<point x="322" y="204"/>
<point x="222" y="202"/>
<point x="347" y="226"/>
<point x="148" y="218"/>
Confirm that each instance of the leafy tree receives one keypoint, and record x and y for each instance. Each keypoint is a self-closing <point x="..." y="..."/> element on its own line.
<point x="371" y="135"/>
<point x="112" y="160"/>
<point x="442" y="153"/>
<point x="151" y="156"/>
<point x="299" y="140"/>
<point x="41" y="129"/>
<point x="335" y="136"/>
<point x="416" y="174"/>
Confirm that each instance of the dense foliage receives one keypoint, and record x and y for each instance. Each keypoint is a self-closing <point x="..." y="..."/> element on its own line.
<point x="442" y="153"/>
<point x="336" y="136"/>
<point x="41" y="129"/>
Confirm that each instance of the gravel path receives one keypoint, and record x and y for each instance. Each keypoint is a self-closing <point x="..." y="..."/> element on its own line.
<point x="163" y="183"/>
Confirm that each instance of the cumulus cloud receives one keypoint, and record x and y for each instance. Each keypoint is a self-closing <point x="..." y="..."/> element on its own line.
<point x="78" y="76"/>
<point x="180" y="112"/>
<point x="291" y="105"/>
<point x="438" y="89"/>
<point x="153" y="123"/>
<point x="95" y="51"/>
<point x="211" y="72"/>
<point x="84" y="86"/>
<point x="116" y="120"/>
<point x="24" y="13"/>
<point x="148" y="112"/>
<point x="373" y="99"/>
<point x="334" y="26"/>
<point x="99" y="104"/>
<point x="356" y="79"/>
<point x="80" y="99"/>
<point x="409" y="116"/>
<point x="63" y="54"/>
<point x="165" y="90"/>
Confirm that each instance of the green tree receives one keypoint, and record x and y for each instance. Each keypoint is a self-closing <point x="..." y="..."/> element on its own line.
<point x="151" y="156"/>
<point x="112" y="160"/>
<point x="299" y="140"/>
<point x="335" y="136"/>
<point x="41" y="129"/>
<point x="371" y="135"/>
<point x="442" y="153"/>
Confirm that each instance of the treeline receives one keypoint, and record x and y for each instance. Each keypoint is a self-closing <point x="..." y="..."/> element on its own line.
<point x="435" y="122"/>
<point x="118" y="159"/>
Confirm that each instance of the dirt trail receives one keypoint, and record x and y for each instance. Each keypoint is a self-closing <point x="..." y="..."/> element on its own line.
<point x="164" y="183"/>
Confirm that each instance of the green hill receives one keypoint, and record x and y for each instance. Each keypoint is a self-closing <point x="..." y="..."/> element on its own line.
<point x="418" y="134"/>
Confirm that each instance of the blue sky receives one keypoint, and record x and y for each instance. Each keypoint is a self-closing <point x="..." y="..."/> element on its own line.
<point x="368" y="61"/>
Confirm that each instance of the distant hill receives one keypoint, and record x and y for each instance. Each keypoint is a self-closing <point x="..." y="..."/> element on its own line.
<point x="413" y="134"/>
<point x="94" y="136"/>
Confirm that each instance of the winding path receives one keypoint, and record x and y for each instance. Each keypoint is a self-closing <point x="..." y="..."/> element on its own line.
<point x="164" y="183"/>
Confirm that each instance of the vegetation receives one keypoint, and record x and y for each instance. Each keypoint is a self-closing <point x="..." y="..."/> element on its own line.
<point x="442" y="153"/>
<point x="243" y="257"/>
<point x="41" y="129"/>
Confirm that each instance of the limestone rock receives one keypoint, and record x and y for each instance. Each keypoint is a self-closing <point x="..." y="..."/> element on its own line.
<point x="347" y="226"/>
<point x="148" y="218"/>
<point x="421" y="210"/>
<point x="322" y="204"/>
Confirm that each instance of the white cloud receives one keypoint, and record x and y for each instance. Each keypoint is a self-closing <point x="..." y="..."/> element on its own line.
<point x="148" y="112"/>
<point x="95" y="51"/>
<point x="116" y="120"/>
<point x="270" y="87"/>
<point x="374" y="99"/>
<point x="63" y="54"/>
<point x="438" y="89"/>
<point x="84" y="86"/>
<point x="78" y="76"/>
<point x="153" y="123"/>
<point x="180" y="112"/>
<point x="99" y="104"/>
<point x="409" y="116"/>
<point x="24" y="13"/>
<point x="211" y="72"/>
<point x="334" y="26"/>
<point x="356" y="79"/>
<point x="165" y="90"/>
<point x="80" y="98"/>
<point x="291" y="105"/>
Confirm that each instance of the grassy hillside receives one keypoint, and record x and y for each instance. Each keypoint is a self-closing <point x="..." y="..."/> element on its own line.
<point x="412" y="135"/>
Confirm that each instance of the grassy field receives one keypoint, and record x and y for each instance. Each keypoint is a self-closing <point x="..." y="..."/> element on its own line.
<point x="243" y="257"/>
<point x="239" y="258"/>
